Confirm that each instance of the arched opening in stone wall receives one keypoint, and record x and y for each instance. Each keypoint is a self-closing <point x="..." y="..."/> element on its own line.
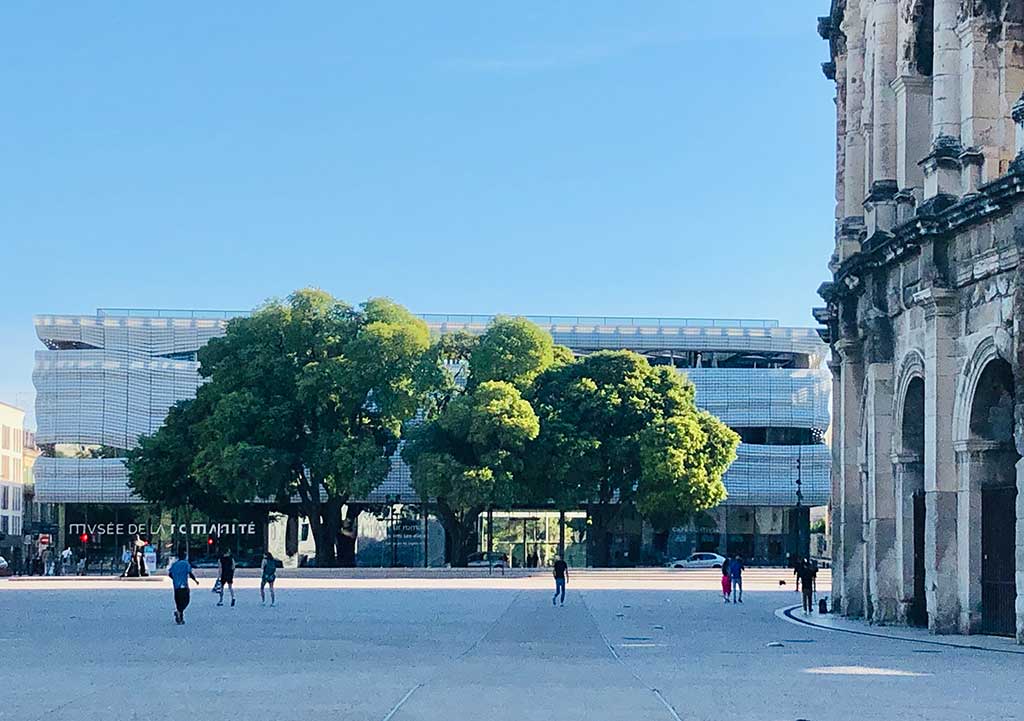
<point x="993" y="477"/>
<point x="910" y="490"/>
<point x="924" y="37"/>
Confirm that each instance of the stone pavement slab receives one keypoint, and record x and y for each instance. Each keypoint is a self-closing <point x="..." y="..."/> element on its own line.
<point x="425" y="653"/>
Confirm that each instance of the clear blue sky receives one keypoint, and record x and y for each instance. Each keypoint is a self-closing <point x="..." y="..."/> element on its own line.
<point x="655" y="158"/>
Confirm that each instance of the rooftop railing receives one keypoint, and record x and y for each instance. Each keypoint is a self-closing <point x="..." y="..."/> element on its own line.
<point x="169" y="313"/>
<point x="608" y="320"/>
<point x="478" y="319"/>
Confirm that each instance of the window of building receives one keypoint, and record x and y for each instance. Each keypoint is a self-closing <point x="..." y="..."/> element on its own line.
<point x="5" y="468"/>
<point x="5" y="497"/>
<point x="5" y="438"/>
<point x="16" y="499"/>
<point x="16" y="526"/>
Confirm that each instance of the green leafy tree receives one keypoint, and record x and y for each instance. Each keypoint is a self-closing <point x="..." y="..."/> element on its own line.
<point x="614" y="431"/>
<point x="468" y="454"/>
<point x="160" y="467"/>
<point x="306" y="398"/>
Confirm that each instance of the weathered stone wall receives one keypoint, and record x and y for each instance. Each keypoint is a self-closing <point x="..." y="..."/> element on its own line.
<point x="926" y="291"/>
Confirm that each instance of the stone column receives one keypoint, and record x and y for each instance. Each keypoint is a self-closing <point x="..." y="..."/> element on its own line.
<point x="836" y="503"/>
<point x="1018" y="120"/>
<point x="970" y="462"/>
<point x="913" y="93"/>
<point x="908" y="473"/>
<point x="940" y="478"/>
<point x="851" y="227"/>
<point x="1011" y="75"/>
<point x="850" y="546"/>
<point x="879" y="497"/>
<point x="980" y="121"/>
<point x="1020" y="544"/>
<point x="913" y="129"/>
<point x="941" y="167"/>
<point x="881" y="205"/>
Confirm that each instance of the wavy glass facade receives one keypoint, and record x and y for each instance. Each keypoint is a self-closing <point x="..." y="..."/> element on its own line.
<point x="104" y="380"/>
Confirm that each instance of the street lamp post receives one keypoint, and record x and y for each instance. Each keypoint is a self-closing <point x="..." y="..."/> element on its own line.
<point x="801" y="548"/>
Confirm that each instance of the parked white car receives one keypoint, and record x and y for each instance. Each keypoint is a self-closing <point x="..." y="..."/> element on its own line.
<point x="699" y="560"/>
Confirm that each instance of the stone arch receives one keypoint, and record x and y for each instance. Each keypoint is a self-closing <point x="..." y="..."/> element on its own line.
<point x="985" y="352"/>
<point x="987" y="459"/>
<point x="908" y="475"/>
<point x="911" y="370"/>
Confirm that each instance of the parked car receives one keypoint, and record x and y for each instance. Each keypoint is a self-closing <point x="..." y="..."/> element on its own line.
<point x="699" y="560"/>
<point x="5" y="568"/>
<point x="488" y="560"/>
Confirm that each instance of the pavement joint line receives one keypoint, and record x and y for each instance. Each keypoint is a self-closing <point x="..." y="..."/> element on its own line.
<point x="786" y="614"/>
<point x="657" y="692"/>
<point x="397" y="706"/>
<point x="433" y="677"/>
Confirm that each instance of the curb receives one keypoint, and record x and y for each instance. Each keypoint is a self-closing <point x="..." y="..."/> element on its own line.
<point x="786" y="614"/>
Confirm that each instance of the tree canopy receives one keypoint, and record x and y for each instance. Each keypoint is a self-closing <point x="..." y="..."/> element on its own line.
<point x="468" y="454"/>
<point x="615" y="429"/>
<point x="305" y="398"/>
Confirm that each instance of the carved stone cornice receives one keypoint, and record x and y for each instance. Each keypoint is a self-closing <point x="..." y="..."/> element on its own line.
<point x="936" y="301"/>
<point x="850" y="350"/>
<point x="939" y="216"/>
<point x="906" y="458"/>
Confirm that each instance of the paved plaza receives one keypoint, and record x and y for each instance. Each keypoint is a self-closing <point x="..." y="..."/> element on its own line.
<point x="627" y="645"/>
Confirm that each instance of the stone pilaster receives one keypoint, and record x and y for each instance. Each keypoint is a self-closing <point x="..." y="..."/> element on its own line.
<point x="946" y="70"/>
<point x="835" y="366"/>
<point x="971" y="471"/>
<point x="941" y="167"/>
<point x="940" y="478"/>
<point x="913" y="95"/>
<point x="883" y="19"/>
<point x="1020" y="551"/>
<point x="972" y="167"/>
<point x="908" y="473"/>
<point x="1017" y="114"/>
<point x="1011" y="75"/>
<point x="980" y="120"/>
<point x="850" y="535"/>
<point x="854" y="170"/>
<point x="880" y="207"/>
<point x="882" y="567"/>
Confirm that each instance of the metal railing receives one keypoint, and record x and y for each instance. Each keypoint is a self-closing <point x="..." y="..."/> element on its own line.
<point x="606" y="320"/>
<point x="169" y="313"/>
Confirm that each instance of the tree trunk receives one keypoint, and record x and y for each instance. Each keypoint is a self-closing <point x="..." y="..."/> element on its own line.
<point x="326" y="532"/>
<point x="600" y="538"/>
<point x="460" y="532"/>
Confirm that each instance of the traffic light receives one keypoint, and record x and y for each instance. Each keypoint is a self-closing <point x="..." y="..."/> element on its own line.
<point x="209" y="540"/>
<point x="84" y="538"/>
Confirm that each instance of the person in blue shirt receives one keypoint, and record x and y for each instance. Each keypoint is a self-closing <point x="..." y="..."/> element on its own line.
<point x="736" y="578"/>
<point x="180" y="571"/>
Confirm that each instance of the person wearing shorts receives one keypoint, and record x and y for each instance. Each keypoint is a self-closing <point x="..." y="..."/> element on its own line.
<point x="227" y="576"/>
<point x="180" y="572"/>
<point x="267" y="577"/>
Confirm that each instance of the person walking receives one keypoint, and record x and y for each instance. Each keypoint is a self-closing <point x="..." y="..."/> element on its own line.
<point x="227" y="576"/>
<point x="267" y="577"/>
<point x="736" y="578"/>
<point x="809" y="581"/>
<point x="561" y="573"/>
<point x="726" y="584"/>
<point x="180" y="572"/>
